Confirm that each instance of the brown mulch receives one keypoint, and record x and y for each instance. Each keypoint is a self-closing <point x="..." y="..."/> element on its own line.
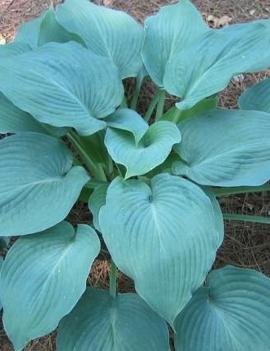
<point x="245" y="245"/>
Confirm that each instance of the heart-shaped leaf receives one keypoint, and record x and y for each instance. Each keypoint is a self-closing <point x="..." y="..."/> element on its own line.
<point x="225" y="148"/>
<point x="100" y="322"/>
<point x="106" y="32"/>
<point x="170" y="31"/>
<point x="217" y="56"/>
<point x="232" y="312"/>
<point x="130" y="121"/>
<point x="164" y="236"/>
<point x="62" y="90"/>
<point x="38" y="184"/>
<point x="151" y="151"/>
<point x="43" y="277"/>
<point x="256" y="97"/>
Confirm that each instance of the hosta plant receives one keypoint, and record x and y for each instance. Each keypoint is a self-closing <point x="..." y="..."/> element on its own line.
<point x="151" y="179"/>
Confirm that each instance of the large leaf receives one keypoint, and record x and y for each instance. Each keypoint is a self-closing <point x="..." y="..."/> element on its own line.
<point x="44" y="29"/>
<point x="257" y="97"/>
<point x="164" y="236"/>
<point x="106" y="32"/>
<point x="96" y="201"/>
<point x="100" y="322"/>
<point x="151" y="151"/>
<point x="62" y="90"/>
<point x="232" y="312"/>
<point x="216" y="57"/>
<point x="225" y="148"/>
<point x="43" y="277"/>
<point x="13" y="120"/>
<point x="169" y="32"/>
<point x="38" y="185"/>
<point x="128" y="120"/>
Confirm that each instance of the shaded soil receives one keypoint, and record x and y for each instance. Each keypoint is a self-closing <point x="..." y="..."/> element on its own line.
<point x="245" y="245"/>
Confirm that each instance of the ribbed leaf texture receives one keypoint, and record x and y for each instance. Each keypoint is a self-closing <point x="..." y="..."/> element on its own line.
<point x="38" y="184"/>
<point x="43" y="277"/>
<point x="100" y="322"/>
<point x="164" y="236"/>
<point x="232" y="312"/>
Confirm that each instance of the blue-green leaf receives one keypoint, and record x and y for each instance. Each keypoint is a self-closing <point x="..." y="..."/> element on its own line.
<point x="257" y="97"/>
<point x="51" y="31"/>
<point x="217" y="56"/>
<point x="106" y="32"/>
<point x="225" y="148"/>
<point x="151" y="151"/>
<point x="28" y="32"/>
<point x="13" y="49"/>
<point x="164" y="236"/>
<point x="43" y="277"/>
<point x="169" y="32"/>
<point x="96" y="201"/>
<point x="38" y="185"/>
<point x="13" y="120"/>
<point x="128" y="120"/>
<point x="62" y="90"/>
<point x="232" y="312"/>
<point x="102" y="323"/>
<point x="44" y="29"/>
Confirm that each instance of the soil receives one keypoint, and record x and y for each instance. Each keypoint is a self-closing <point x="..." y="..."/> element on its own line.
<point x="246" y="245"/>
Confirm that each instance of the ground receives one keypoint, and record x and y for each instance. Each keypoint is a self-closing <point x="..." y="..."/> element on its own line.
<point x="245" y="245"/>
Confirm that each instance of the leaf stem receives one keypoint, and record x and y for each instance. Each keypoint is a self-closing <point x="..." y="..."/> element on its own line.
<point x="119" y="170"/>
<point x="177" y="116"/>
<point x="246" y="218"/>
<point x="95" y="169"/>
<point x="92" y="184"/>
<point x="219" y="192"/>
<point x="135" y="98"/>
<point x="152" y="106"/>
<point x="86" y="159"/>
<point x="113" y="280"/>
<point x="124" y="103"/>
<point x="100" y="174"/>
<point x="160" y="105"/>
